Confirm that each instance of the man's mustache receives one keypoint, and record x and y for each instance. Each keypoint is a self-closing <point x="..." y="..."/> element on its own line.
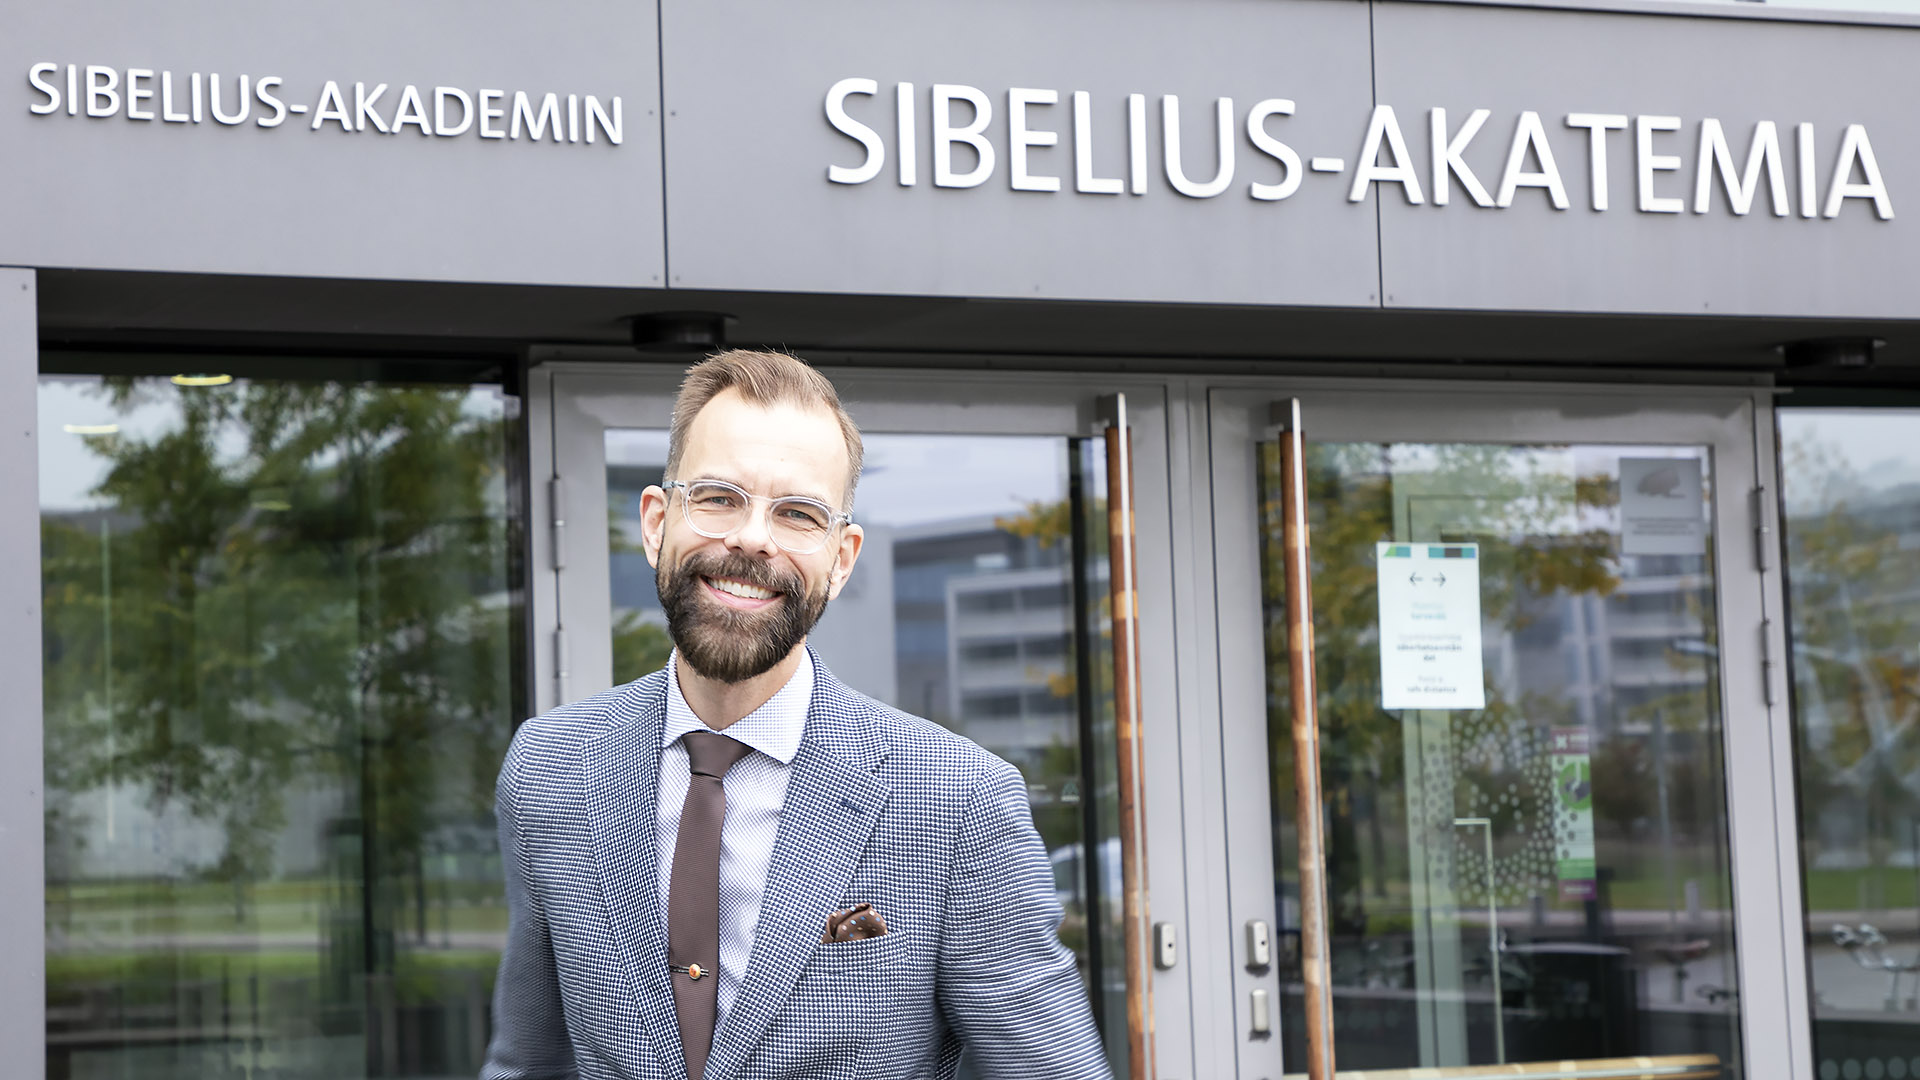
<point x="741" y="568"/>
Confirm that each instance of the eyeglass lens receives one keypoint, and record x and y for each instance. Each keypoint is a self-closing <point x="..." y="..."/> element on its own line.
<point x="798" y="525"/>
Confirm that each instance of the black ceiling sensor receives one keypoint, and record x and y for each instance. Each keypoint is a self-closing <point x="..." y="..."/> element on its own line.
<point x="1840" y="352"/>
<point x="680" y="331"/>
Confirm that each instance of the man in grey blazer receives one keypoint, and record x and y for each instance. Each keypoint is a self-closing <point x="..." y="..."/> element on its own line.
<point x="737" y="868"/>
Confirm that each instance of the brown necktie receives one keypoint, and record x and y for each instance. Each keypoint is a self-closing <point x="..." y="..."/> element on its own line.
<point x="693" y="895"/>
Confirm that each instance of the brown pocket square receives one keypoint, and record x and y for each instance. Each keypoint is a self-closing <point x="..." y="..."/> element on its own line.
<point x="856" y="923"/>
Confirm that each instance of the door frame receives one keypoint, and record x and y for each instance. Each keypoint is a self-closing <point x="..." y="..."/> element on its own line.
<point x="572" y="403"/>
<point x="1736" y="423"/>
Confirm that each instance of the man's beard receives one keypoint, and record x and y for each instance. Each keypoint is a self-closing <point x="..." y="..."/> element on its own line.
<point x="727" y="644"/>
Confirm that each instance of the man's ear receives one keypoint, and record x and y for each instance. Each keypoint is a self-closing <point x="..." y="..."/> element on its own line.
<point x="846" y="553"/>
<point x="653" y="522"/>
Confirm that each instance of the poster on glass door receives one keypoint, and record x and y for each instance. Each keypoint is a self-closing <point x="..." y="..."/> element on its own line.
<point x="1430" y="626"/>
<point x="1574" y="864"/>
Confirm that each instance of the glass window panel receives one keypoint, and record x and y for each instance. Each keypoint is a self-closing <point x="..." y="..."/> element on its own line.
<point x="980" y="603"/>
<point x="1851" y="485"/>
<point x="278" y="669"/>
<point x="1544" y="879"/>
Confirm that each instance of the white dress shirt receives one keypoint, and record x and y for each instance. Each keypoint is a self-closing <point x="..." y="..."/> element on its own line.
<point x="756" y="789"/>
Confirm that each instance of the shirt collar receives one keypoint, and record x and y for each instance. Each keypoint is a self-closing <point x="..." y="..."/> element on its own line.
<point x="774" y="728"/>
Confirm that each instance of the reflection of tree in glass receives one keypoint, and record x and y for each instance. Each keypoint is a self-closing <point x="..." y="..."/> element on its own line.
<point x="1539" y="536"/>
<point x="1623" y="783"/>
<point x="640" y="647"/>
<point x="1049" y="523"/>
<point x="1856" y="678"/>
<point x="304" y="587"/>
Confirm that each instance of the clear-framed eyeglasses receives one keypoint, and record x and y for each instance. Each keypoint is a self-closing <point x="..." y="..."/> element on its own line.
<point x="717" y="509"/>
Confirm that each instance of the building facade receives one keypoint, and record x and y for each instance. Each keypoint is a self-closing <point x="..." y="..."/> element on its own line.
<point x="340" y="345"/>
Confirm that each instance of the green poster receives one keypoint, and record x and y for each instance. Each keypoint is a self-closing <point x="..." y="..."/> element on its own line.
<point x="1573" y="814"/>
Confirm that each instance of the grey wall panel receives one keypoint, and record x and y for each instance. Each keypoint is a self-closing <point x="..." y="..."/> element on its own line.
<point x="749" y="146"/>
<point x="1740" y="72"/>
<point x="23" y="979"/>
<point x="119" y="193"/>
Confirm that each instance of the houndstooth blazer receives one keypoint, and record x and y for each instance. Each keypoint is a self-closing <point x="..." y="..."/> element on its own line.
<point x="882" y="807"/>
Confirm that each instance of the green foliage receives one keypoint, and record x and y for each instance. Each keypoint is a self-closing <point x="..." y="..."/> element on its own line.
<point x="1531" y="522"/>
<point x="1856" y="668"/>
<point x="1624" y="784"/>
<point x="1049" y="523"/>
<point x="289" y="585"/>
<point x="639" y="647"/>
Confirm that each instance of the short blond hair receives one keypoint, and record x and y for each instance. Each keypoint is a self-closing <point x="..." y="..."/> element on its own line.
<point x="765" y="379"/>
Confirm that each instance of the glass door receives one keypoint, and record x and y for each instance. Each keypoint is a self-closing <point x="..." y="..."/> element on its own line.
<point x="981" y="602"/>
<point x="1850" y="487"/>
<point x="1548" y="802"/>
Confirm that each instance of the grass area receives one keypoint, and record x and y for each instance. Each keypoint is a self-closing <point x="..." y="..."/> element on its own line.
<point x="1638" y="879"/>
<point x="132" y="945"/>
<point x="152" y="977"/>
<point x="103" y="910"/>
<point x="1651" y="893"/>
<point x="1644" y="888"/>
<point x="86" y="894"/>
<point x="1868" y="888"/>
<point x="75" y="971"/>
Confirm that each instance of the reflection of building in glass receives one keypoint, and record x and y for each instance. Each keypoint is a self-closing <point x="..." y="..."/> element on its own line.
<point x="984" y="629"/>
<point x="1617" y="658"/>
<point x="1007" y="657"/>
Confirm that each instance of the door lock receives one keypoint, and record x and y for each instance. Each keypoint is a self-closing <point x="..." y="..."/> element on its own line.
<point x="1259" y="945"/>
<point x="1166" y="947"/>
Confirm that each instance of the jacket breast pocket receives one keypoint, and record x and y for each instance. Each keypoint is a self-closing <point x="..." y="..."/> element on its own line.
<point x="847" y="959"/>
<point x="849" y="1016"/>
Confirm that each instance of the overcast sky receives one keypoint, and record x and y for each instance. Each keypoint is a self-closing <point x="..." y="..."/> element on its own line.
<point x="1879" y="447"/>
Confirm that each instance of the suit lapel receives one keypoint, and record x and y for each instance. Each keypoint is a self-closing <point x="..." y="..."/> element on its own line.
<point x="622" y="768"/>
<point x="833" y="803"/>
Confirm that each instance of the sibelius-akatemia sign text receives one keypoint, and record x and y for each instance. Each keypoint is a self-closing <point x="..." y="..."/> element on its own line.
<point x="1777" y="166"/>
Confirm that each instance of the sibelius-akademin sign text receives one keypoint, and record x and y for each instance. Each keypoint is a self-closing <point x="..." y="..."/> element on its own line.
<point x="101" y="92"/>
<point x="1776" y="163"/>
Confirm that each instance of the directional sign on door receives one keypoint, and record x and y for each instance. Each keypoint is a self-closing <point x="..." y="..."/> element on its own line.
<point x="1430" y="627"/>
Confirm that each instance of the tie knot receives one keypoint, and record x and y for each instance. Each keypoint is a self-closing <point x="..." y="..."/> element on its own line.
<point x="712" y="754"/>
